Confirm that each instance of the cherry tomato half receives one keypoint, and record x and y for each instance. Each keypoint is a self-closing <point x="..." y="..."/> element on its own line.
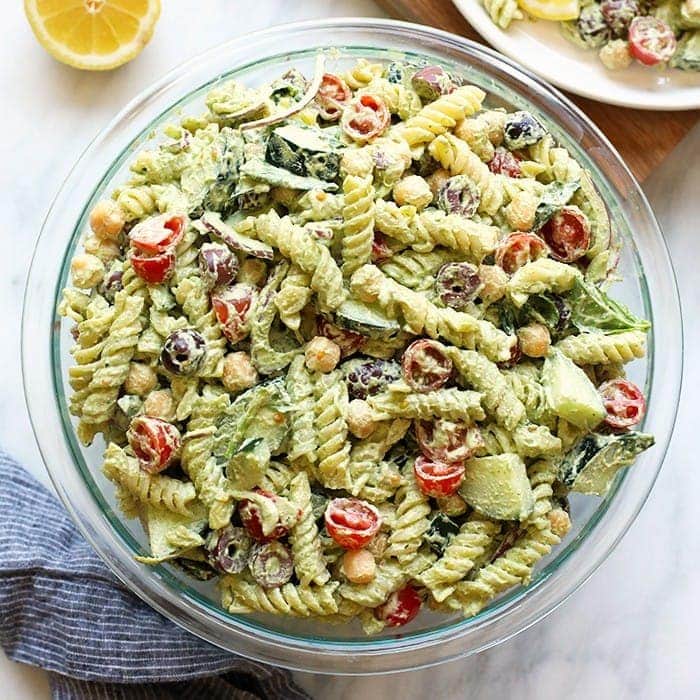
<point x="437" y="479"/>
<point x="233" y="307"/>
<point x="365" y="117"/>
<point x="381" y="251"/>
<point x="519" y="249"/>
<point x="157" y="234"/>
<point x="448" y="441"/>
<point x="332" y="96"/>
<point x="400" y="607"/>
<point x="505" y="163"/>
<point x="349" y="342"/>
<point x="651" y="40"/>
<point x="425" y="365"/>
<point x="252" y="520"/>
<point x="155" y="442"/>
<point x="352" y="523"/>
<point x="154" y="269"/>
<point x="624" y="403"/>
<point x="568" y="234"/>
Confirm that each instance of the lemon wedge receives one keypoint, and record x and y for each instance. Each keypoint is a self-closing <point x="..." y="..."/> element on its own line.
<point x="93" y="34"/>
<point x="554" y="10"/>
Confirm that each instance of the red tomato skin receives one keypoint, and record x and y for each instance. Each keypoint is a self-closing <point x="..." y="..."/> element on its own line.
<point x="424" y="351"/>
<point x="155" y="442"/>
<point x="624" y="403"/>
<point x="365" y="117"/>
<point x="444" y="480"/>
<point x="157" y="234"/>
<point x="349" y="342"/>
<point x="462" y="440"/>
<point x="505" y="163"/>
<point x="640" y="29"/>
<point x="232" y="307"/>
<point x="155" y="269"/>
<point x="250" y="517"/>
<point x="568" y="235"/>
<point x="400" y="608"/>
<point x="352" y="523"/>
<point x="519" y="249"/>
<point x="381" y="252"/>
<point x="332" y="96"/>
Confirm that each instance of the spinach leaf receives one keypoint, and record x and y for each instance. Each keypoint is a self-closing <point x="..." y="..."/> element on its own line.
<point x="593" y="310"/>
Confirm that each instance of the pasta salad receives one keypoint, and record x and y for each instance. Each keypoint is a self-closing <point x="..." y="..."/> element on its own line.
<point x="650" y="32"/>
<point x="348" y="344"/>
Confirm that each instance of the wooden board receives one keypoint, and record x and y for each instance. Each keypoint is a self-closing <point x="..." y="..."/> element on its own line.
<point x="643" y="138"/>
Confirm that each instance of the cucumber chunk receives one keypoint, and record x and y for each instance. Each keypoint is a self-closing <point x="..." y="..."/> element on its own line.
<point x="498" y="487"/>
<point x="594" y="460"/>
<point x="211" y="223"/>
<point x="304" y="151"/>
<point x="365" y="319"/>
<point x="570" y="393"/>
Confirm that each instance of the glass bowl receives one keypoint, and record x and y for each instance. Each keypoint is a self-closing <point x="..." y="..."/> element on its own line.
<point x="648" y="287"/>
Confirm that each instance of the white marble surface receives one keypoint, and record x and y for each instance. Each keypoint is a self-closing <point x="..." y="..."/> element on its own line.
<point x="632" y="632"/>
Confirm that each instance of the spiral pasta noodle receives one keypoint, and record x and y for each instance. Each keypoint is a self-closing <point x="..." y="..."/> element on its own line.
<point x="358" y="226"/>
<point x="599" y="349"/>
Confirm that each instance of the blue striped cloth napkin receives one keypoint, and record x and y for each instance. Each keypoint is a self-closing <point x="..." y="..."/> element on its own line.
<point x="61" y="609"/>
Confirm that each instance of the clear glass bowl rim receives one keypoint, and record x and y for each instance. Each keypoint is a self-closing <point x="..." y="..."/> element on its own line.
<point x="519" y="610"/>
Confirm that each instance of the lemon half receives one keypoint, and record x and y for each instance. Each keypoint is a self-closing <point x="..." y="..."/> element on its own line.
<point x="554" y="10"/>
<point x="93" y="34"/>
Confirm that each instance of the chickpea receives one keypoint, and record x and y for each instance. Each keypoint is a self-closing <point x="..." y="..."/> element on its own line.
<point x="239" y="372"/>
<point x="105" y="250"/>
<point x="253" y="272"/>
<point x="493" y="280"/>
<point x="534" y="340"/>
<point x="322" y="354"/>
<point x="520" y="213"/>
<point x="86" y="270"/>
<point x="615" y="55"/>
<point x="366" y="283"/>
<point x="559" y="521"/>
<point x="140" y="380"/>
<point x="437" y="180"/>
<point x="160" y="404"/>
<point x="356" y="161"/>
<point x="359" y="566"/>
<point x="452" y="505"/>
<point x="413" y="190"/>
<point x="359" y="419"/>
<point x="107" y="219"/>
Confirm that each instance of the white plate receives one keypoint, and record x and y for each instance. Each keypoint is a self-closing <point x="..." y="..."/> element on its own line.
<point x="540" y="46"/>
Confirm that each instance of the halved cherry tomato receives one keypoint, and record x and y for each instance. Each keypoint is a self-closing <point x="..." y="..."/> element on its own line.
<point x="155" y="442"/>
<point x="154" y="269"/>
<point x="425" y="365"/>
<point x="448" y="441"/>
<point x="437" y="479"/>
<point x="349" y="342"/>
<point x="380" y="248"/>
<point x="568" y="234"/>
<point x="157" y="234"/>
<point x="252" y="520"/>
<point x="400" y="607"/>
<point x="624" y="403"/>
<point x="332" y="96"/>
<point x="505" y="163"/>
<point x="233" y="307"/>
<point x="352" y="523"/>
<point x="365" y="117"/>
<point x="519" y="249"/>
<point x="651" y="40"/>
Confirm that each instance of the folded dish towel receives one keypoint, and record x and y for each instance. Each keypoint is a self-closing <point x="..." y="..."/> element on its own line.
<point x="63" y="610"/>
